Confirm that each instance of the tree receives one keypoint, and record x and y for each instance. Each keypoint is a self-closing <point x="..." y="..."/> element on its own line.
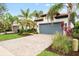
<point x="36" y="13"/>
<point x="26" y="20"/>
<point x="4" y="26"/>
<point x="9" y="17"/>
<point x="75" y="32"/>
<point x="7" y="21"/>
<point x="2" y="8"/>
<point x="30" y="24"/>
<point x="7" y="26"/>
<point x="54" y="10"/>
<point x="25" y="14"/>
<point x="57" y="7"/>
<point x="1" y="27"/>
<point x="73" y="15"/>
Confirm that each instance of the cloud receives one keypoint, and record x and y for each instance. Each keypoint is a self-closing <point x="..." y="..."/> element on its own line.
<point x="47" y="5"/>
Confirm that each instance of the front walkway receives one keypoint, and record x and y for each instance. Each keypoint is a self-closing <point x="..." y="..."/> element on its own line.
<point x="26" y="46"/>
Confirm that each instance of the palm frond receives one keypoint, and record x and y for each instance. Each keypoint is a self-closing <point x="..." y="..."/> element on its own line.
<point x="23" y="12"/>
<point x="54" y="9"/>
<point x="72" y="17"/>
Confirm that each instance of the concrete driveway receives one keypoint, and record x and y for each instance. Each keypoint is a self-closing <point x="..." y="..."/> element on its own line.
<point x="25" y="46"/>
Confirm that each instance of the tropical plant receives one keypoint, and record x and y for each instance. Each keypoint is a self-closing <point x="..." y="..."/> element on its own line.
<point x="1" y="27"/>
<point x="62" y="43"/>
<point x="58" y="7"/>
<point x="36" y="13"/>
<point x="29" y="24"/>
<point x="54" y="10"/>
<point x="4" y="26"/>
<point x="10" y="18"/>
<point x="26" y="20"/>
<point x="25" y="14"/>
<point x="2" y="8"/>
<point x="75" y="32"/>
<point x="7" y="21"/>
<point x="7" y="25"/>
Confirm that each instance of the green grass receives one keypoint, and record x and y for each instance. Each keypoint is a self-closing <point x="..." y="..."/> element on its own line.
<point x="47" y="53"/>
<point x="9" y="36"/>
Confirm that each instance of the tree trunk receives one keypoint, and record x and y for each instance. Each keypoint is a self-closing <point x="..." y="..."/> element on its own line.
<point x="69" y="9"/>
<point x="22" y="28"/>
<point x="69" y="29"/>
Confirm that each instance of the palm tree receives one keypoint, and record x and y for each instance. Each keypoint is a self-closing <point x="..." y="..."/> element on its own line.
<point x="36" y="13"/>
<point x="10" y="17"/>
<point x="54" y="10"/>
<point x="8" y="20"/>
<point x="58" y="7"/>
<point x="26" y="20"/>
<point x="5" y="25"/>
<point x="1" y="27"/>
<point x="31" y="24"/>
<point x="2" y="8"/>
<point x="25" y="14"/>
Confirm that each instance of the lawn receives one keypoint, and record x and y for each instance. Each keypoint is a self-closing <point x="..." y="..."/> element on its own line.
<point x="9" y="36"/>
<point x="47" y="53"/>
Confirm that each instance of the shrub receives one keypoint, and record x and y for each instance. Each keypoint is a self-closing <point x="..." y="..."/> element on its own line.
<point x="26" y="34"/>
<point x="32" y="31"/>
<point x="62" y="43"/>
<point x="75" y="32"/>
<point x="75" y="35"/>
<point x="20" y="31"/>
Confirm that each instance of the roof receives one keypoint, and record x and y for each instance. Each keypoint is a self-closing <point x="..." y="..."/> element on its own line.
<point x="61" y="16"/>
<point x="39" y="19"/>
<point x="43" y="15"/>
<point x="57" y="15"/>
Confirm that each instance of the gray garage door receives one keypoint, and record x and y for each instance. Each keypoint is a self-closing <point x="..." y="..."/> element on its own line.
<point x="50" y="28"/>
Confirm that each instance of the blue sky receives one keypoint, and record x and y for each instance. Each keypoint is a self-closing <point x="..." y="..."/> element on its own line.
<point x="14" y="8"/>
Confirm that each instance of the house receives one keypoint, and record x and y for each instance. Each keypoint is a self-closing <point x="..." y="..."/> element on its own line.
<point x="46" y="26"/>
<point x="15" y="27"/>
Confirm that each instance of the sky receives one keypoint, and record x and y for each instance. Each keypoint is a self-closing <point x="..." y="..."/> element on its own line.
<point x="14" y="8"/>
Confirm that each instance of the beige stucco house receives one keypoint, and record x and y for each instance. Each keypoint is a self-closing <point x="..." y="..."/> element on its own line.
<point x="46" y="26"/>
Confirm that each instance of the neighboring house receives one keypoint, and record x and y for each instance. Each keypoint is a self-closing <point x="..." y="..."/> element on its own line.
<point x="46" y="26"/>
<point x="15" y="27"/>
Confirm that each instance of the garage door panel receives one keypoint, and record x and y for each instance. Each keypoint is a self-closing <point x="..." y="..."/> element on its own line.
<point x="50" y="28"/>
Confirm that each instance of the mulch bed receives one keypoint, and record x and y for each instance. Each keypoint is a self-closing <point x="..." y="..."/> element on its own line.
<point x="71" y="53"/>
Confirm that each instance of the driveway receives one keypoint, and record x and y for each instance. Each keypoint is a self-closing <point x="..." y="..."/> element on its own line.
<point x="25" y="46"/>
